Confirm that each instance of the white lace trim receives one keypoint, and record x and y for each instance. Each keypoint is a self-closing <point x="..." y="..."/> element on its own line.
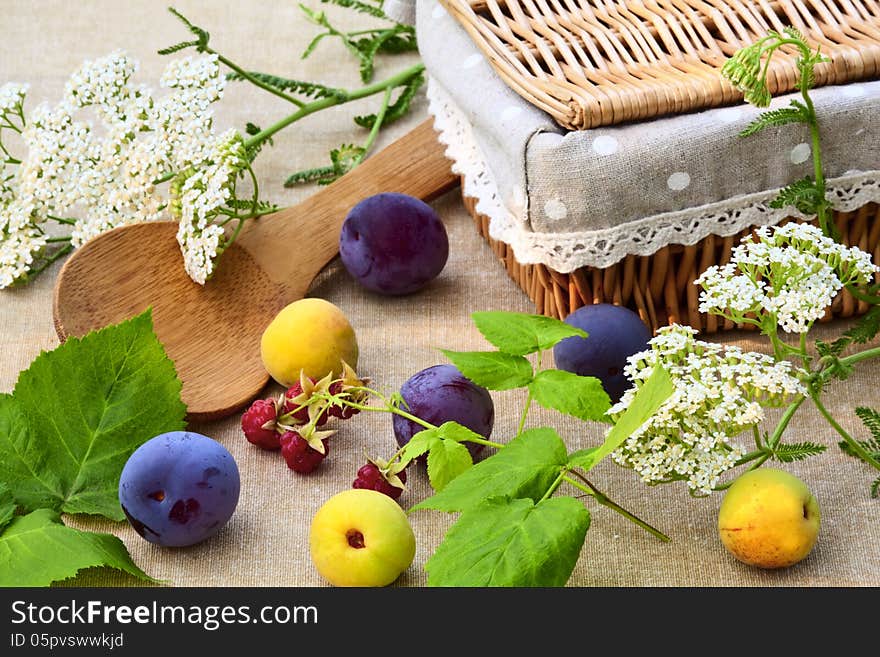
<point x="565" y="252"/>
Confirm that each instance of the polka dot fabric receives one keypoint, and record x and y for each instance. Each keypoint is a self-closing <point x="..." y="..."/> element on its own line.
<point x="591" y="197"/>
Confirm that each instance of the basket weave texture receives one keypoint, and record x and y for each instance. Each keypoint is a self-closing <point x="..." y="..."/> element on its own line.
<point x="599" y="62"/>
<point x="661" y="287"/>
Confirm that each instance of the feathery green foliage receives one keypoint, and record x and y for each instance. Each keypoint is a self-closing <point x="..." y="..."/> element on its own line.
<point x="309" y="97"/>
<point x="399" y="108"/>
<point x="803" y="195"/>
<point x="200" y="43"/>
<point x="307" y="89"/>
<point x="871" y="420"/>
<point x="865" y="329"/>
<point x="796" y="451"/>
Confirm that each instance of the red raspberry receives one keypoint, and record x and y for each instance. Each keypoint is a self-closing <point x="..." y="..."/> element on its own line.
<point x="300" y="456"/>
<point x="369" y="476"/>
<point x="340" y="410"/>
<point x="302" y="415"/>
<point x="258" y="424"/>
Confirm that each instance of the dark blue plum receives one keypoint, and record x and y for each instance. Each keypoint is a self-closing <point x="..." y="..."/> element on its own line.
<point x="393" y="243"/>
<point x="615" y="334"/>
<point x="441" y="394"/>
<point x="179" y="488"/>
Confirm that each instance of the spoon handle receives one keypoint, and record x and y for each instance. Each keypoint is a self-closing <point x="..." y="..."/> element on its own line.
<point x="294" y="244"/>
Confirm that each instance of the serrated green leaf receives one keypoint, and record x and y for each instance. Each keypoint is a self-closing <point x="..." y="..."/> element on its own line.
<point x="492" y="369"/>
<point x="425" y="440"/>
<point x="777" y="117"/>
<point x="647" y="401"/>
<point x="457" y="432"/>
<point x="504" y="542"/>
<point x="419" y="444"/>
<point x="521" y="333"/>
<point x="802" y="194"/>
<point x="526" y="467"/>
<point x="7" y="505"/>
<point x="583" y="458"/>
<point x="37" y="549"/>
<point x="864" y="330"/>
<point x="582" y="397"/>
<point x="796" y="451"/>
<point x="447" y="459"/>
<point x="871" y="419"/>
<point x="78" y="412"/>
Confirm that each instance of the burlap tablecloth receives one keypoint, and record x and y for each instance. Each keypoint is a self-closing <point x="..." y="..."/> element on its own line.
<point x="266" y="542"/>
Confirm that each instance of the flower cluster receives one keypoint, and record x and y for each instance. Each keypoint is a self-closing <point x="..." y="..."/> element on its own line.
<point x="786" y="275"/>
<point x="98" y="178"/>
<point x="719" y="392"/>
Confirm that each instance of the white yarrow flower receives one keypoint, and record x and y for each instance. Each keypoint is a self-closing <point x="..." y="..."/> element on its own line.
<point x="719" y="392"/>
<point x="12" y="96"/>
<point x="101" y="177"/>
<point x="790" y="273"/>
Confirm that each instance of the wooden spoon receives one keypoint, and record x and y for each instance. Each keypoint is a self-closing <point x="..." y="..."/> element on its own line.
<point x="212" y="332"/>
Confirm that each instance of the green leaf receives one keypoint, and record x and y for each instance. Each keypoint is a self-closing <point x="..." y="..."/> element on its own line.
<point x="319" y="175"/>
<point x="37" y="549"/>
<point x="78" y="413"/>
<point x="521" y="333"/>
<point x="871" y="419"/>
<point x="447" y="459"/>
<point x="398" y="108"/>
<point x="580" y="396"/>
<point x="647" y="401"/>
<point x="802" y="194"/>
<point x="307" y="89"/>
<point x="457" y="432"/>
<point x="361" y="7"/>
<point x="583" y="458"/>
<point x="419" y="444"/>
<point x="504" y="542"/>
<point x="526" y="467"/>
<point x="863" y="331"/>
<point x="7" y="505"/>
<point x="492" y="369"/>
<point x="797" y="113"/>
<point x="796" y="451"/>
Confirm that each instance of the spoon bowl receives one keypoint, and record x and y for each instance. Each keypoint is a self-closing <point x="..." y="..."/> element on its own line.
<point x="212" y="332"/>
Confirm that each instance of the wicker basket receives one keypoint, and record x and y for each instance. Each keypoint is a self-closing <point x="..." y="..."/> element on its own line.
<point x="598" y="62"/>
<point x="661" y="287"/>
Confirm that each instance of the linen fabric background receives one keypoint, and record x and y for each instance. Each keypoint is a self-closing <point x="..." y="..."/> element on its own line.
<point x="266" y="542"/>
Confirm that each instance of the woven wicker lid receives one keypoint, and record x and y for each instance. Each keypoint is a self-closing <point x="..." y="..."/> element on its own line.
<point x="599" y="62"/>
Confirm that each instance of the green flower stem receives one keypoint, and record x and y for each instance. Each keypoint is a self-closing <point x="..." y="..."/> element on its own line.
<point x="62" y="220"/>
<point x="54" y="240"/>
<point x="342" y="98"/>
<point x="55" y="257"/>
<point x="390" y="408"/>
<point x="860" y="356"/>
<point x="377" y="125"/>
<point x="774" y="439"/>
<point x="554" y="485"/>
<point x="604" y="500"/>
<point x="305" y="109"/>
<point x="854" y="444"/>
<point x="818" y="173"/>
<point x="528" y="406"/>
